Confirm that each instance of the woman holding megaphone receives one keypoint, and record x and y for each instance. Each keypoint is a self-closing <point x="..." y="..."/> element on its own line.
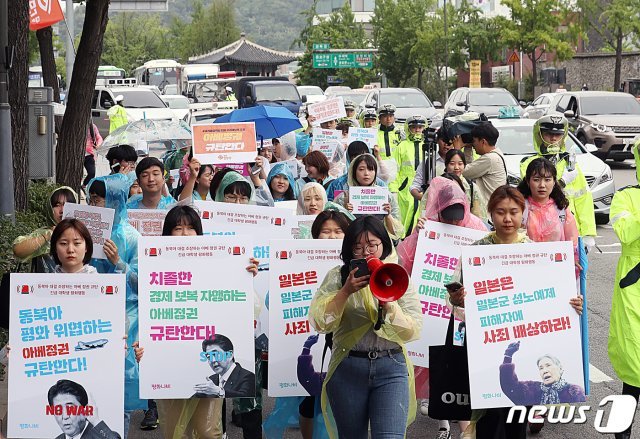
<point x="369" y="383"/>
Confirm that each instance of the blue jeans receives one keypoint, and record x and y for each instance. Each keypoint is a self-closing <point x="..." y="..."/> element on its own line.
<point x="363" y="391"/>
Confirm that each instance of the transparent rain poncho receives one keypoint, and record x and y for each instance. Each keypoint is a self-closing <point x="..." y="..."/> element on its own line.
<point x="282" y="169"/>
<point x="230" y="178"/>
<point x="402" y="324"/>
<point x="125" y="238"/>
<point x="544" y="224"/>
<point x="310" y="189"/>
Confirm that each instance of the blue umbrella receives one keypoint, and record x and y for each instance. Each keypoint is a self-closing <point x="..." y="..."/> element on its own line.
<point x="270" y="121"/>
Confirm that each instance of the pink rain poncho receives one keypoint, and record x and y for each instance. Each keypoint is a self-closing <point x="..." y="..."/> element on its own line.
<point x="441" y="194"/>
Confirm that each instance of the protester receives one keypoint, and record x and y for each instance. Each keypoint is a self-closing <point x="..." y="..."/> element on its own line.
<point x="122" y="159"/>
<point x="369" y="382"/>
<point x="93" y="141"/>
<point x="341" y="183"/>
<point x="623" y="346"/>
<point x="135" y="189"/>
<point x="506" y="207"/>
<point x="34" y="247"/>
<point x="489" y="171"/>
<point x="317" y="167"/>
<point x="149" y="173"/>
<point x="199" y="183"/>
<point x="454" y="163"/>
<point x="363" y="171"/>
<point x="281" y="183"/>
<point x="267" y="151"/>
<point x="549" y="136"/>
<point x="234" y="188"/>
<point x="311" y="200"/>
<point x="122" y="257"/>
<point x="332" y="222"/>
<point x="72" y="247"/>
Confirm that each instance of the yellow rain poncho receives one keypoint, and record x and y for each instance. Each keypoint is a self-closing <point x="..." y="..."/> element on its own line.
<point x="624" y="326"/>
<point x="401" y="325"/>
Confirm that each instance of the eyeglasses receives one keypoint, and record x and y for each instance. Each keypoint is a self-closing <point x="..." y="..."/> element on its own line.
<point x="230" y="198"/>
<point x="371" y="248"/>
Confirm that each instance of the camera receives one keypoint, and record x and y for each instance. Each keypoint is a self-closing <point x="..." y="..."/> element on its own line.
<point x="455" y="124"/>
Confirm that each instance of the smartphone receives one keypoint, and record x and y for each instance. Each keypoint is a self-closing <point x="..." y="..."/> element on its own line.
<point x="361" y="265"/>
<point x="453" y="286"/>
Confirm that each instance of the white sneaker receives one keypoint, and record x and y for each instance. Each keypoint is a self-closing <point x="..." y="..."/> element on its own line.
<point x="424" y="406"/>
<point x="443" y="434"/>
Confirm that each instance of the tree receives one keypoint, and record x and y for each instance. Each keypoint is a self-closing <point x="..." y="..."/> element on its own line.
<point x="48" y="63"/>
<point x="133" y="38"/>
<point x="429" y="52"/>
<point x="341" y="31"/>
<point x="616" y="21"/>
<point x="537" y="27"/>
<point x="18" y="80"/>
<point x="71" y="142"/>
<point x="395" y="26"/>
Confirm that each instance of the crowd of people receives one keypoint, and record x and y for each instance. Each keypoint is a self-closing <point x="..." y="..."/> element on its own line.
<point x="370" y="386"/>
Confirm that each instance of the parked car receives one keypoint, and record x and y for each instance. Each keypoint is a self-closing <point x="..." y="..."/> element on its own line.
<point x="335" y="89"/>
<point x="481" y="100"/>
<point x="139" y="102"/>
<point x="538" y="108"/>
<point x="313" y="93"/>
<point x="178" y="103"/>
<point x="609" y="120"/>
<point x="274" y="91"/>
<point x="408" y="102"/>
<point x="357" y="96"/>
<point x="516" y="142"/>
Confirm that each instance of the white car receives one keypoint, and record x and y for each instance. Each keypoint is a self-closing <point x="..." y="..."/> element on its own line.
<point x="537" y="108"/>
<point x="516" y="142"/>
<point x="313" y="93"/>
<point x="178" y="103"/>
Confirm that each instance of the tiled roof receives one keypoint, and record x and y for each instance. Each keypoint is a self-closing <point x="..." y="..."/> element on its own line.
<point x="244" y="51"/>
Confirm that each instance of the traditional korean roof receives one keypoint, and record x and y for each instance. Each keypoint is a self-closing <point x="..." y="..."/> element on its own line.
<point x="243" y="51"/>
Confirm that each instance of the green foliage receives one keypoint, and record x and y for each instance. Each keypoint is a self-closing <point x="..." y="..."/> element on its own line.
<point x="611" y="18"/>
<point x="341" y="31"/>
<point x="395" y="27"/>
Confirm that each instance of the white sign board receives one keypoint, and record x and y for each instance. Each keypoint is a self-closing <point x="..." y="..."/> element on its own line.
<point x="66" y="336"/>
<point x="326" y="141"/>
<point x="366" y="135"/>
<point x="368" y="200"/>
<point x="148" y="222"/>
<point x="192" y="291"/>
<point x="437" y="256"/>
<point x="297" y="269"/>
<point x="523" y="337"/>
<point x="98" y="220"/>
<point x="329" y="109"/>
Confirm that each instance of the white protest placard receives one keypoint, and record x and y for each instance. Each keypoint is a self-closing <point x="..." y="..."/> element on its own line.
<point x="195" y="300"/>
<point x="366" y="135"/>
<point x="264" y="143"/>
<point x="437" y="256"/>
<point x="329" y="109"/>
<point x="326" y="141"/>
<point x="297" y="269"/>
<point x="523" y="337"/>
<point x="148" y="222"/>
<point x="262" y="224"/>
<point x="368" y="200"/>
<point x="293" y="167"/>
<point x="304" y="223"/>
<point x="98" y="220"/>
<point x="66" y="327"/>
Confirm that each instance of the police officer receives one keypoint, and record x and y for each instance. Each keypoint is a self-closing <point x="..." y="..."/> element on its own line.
<point x="549" y="135"/>
<point x="369" y="118"/>
<point x="350" y="109"/>
<point x="117" y="115"/>
<point x="409" y="155"/>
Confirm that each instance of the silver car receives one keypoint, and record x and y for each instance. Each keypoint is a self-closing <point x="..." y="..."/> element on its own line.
<point x="538" y="108"/>
<point x="516" y="142"/>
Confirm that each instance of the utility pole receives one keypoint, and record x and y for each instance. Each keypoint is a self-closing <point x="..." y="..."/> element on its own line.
<point x="7" y="204"/>
<point x="71" y="51"/>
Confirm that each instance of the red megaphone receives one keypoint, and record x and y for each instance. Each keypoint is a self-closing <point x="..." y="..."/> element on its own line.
<point x="388" y="283"/>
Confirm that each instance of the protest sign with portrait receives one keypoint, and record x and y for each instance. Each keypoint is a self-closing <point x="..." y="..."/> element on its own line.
<point x="67" y="355"/>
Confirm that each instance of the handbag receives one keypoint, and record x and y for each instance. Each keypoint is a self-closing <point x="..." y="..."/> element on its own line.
<point x="449" y="380"/>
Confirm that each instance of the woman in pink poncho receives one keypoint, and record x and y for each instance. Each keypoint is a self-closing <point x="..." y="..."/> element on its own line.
<point x="446" y="203"/>
<point x="547" y="216"/>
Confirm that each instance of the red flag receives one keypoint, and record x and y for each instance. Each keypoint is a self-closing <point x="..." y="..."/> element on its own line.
<point x="44" y="13"/>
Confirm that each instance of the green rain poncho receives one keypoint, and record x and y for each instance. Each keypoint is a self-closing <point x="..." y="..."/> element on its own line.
<point x="624" y="326"/>
<point x="41" y="261"/>
<point x="402" y="324"/>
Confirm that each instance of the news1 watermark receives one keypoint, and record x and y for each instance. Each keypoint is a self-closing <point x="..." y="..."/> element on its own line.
<point x="620" y="408"/>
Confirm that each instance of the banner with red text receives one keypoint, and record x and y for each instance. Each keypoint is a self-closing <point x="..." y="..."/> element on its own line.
<point x="523" y="336"/>
<point x="66" y="371"/>
<point x="196" y="305"/>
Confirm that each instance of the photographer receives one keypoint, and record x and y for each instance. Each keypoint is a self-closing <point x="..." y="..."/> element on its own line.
<point x="419" y="185"/>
